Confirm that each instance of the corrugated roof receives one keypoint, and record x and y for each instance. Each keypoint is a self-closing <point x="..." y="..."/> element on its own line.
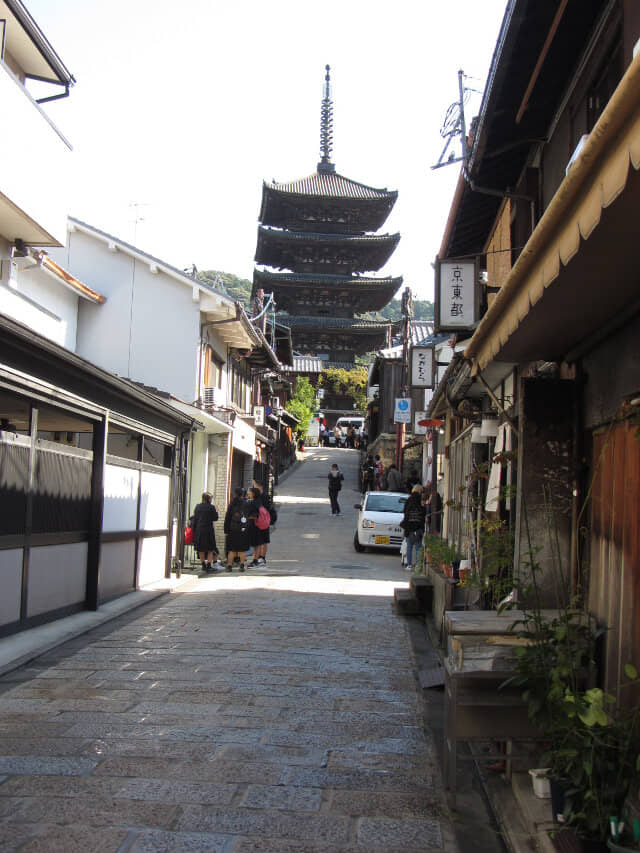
<point x="305" y="364"/>
<point x="330" y="185"/>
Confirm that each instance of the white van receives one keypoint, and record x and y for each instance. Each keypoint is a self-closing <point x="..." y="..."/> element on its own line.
<point x="354" y="421"/>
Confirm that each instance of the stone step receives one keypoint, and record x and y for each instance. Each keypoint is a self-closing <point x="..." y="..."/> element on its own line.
<point x="422" y="589"/>
<point x="406" y="601"/>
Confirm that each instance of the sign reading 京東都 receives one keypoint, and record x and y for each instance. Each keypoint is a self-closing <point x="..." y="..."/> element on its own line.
<point x="457" y="295"/>
<point x="402" y="411"/>
<point x="422" y="367"/>
<point x="258" y="414"/>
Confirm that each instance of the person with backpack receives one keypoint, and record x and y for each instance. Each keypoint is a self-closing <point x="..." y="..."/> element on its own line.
<point x="413" y="525"/>
<point x="236" y="526"/>
<point x="259" y="523"/>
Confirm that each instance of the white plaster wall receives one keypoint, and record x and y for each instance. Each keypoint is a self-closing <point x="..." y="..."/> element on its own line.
<point x="120" y="498"/>
<point x="11" y="583"/>
<point x="198" y="479"/>
<point x="31" y="147"/>
<point x="57" y="577"/>
<point x="59" y="319"/>
<point x="153" y="554"/>
<point x="154" y="501"/>
<point x="116" y="568"/>
<point x="149" y="327"/>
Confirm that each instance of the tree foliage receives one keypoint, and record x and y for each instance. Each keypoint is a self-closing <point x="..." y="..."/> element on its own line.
<point x="235" y="287"/>
<point x="349" y="383"/>
<point x="301" y="404"/>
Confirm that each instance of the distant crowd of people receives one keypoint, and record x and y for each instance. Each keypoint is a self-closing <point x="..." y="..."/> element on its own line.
<point x="247" y="523"/>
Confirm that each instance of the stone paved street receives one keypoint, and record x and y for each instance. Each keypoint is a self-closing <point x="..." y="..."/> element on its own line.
<point x="273" y="711"/>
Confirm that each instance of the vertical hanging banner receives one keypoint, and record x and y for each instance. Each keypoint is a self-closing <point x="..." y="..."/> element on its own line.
<point x="457" y="295"/>
<point x="422" y="366"/>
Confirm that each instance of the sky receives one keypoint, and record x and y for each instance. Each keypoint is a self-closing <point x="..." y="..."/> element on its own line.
<point x="180" y="111"/>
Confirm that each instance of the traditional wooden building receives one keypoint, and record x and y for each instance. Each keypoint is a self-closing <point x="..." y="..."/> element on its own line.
<point x="318" y="236"/>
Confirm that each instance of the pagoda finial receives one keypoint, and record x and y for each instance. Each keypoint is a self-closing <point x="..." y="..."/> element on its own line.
<point x="326" y="126"/>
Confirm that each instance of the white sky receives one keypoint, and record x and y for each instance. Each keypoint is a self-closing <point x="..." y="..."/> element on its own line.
<point x="186" y="107"/>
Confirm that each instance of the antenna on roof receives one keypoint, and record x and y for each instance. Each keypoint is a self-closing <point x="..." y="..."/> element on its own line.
<point x="326" y="126"/>
<point x="454" y="125"/>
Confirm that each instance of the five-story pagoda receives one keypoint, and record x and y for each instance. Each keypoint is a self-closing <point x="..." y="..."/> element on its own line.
<point x="318" y="237"/>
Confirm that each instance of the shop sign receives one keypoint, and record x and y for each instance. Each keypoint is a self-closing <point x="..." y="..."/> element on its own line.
<point x="402" y="411"/>
<point x="258" y="416"/>
<point x="422" y="367"/>
<point x="457" y="295"/>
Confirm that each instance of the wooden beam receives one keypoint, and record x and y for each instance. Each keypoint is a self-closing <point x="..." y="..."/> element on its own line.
<point x="543" y="55"/>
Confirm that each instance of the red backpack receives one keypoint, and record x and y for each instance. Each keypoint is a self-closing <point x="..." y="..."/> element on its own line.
<point x="263" y="520"/>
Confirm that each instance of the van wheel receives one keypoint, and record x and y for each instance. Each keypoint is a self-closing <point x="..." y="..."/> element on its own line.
<point x="359" y="548"/>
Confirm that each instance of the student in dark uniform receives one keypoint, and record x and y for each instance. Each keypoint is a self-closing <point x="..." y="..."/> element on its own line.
<point x="204" y="536"/>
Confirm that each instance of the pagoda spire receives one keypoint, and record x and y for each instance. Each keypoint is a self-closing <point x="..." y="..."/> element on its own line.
<point x="326" y="127"/>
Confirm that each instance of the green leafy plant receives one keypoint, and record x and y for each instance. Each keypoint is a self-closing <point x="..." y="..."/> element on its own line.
<point x="301" y="405"/>
<point x="600" y="757"/>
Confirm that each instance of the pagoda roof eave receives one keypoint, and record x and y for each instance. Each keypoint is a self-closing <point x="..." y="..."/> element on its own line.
<point x="328" y="185"/>
<point x="339" y="324"/>
<point x="325" y="280"/>
<point x="317" y="237"/>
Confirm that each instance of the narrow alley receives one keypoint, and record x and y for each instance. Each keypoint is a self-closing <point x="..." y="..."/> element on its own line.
<point x="272" y="711"/>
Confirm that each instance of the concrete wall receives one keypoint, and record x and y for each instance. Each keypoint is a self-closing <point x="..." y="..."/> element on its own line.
<point x="11" y="574"/>
<point x="47" y="307"/>
<point x="57" y="577"/>
<point x="147" y="330"/>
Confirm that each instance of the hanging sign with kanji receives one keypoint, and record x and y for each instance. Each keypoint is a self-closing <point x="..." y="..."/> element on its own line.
<point x="457" y="295"/>
<point x="422" y="366"/>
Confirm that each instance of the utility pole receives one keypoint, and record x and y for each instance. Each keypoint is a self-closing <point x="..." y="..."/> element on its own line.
<point x="407" y="311"/>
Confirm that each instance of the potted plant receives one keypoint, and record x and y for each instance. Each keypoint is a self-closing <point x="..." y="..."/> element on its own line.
<point x="600" y="758"/>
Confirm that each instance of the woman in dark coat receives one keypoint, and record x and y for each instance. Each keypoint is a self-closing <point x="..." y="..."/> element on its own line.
<point x="236" y="526"/>
<point x="413" y="523"/>
<point x="204" y="536"/>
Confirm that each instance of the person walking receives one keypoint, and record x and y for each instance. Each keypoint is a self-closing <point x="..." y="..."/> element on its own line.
<point x="204" y="536"/>
<point x="379" y="472"/>
<point x="259" y="537"/>
<point x="335" y="477"/>
<point x="368" y="474"/>
<point x="413" y="524"/>
<point x="236" y="526"/>
<point x="395" y="481"/>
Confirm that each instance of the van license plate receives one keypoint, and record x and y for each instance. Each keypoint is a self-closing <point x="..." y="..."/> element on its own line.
<point x="383" y="540"/>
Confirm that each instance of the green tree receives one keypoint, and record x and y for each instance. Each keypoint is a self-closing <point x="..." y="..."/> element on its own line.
<point x="349" y="383"/>
<point x="302" y="404"/>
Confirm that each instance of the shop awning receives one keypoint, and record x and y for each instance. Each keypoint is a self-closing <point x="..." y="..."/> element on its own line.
<point x="579" y="269"/>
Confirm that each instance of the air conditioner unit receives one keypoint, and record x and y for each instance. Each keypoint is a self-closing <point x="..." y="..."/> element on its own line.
<point x="9" y="272"/>
<point x="214" y="397"/>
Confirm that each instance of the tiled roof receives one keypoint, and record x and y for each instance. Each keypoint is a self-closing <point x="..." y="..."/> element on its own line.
<point x="305" y="364"/>
<point x="295" y="322"/>
<point x="266" y="277"/>
<point x="338" y="239"/>
<point x="330" y="185"/>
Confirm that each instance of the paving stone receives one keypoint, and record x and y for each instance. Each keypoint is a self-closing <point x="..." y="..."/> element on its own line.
<point x="284" y="755"/>
<point x="76" y="839"/>
<point x="45" y="765"/>
<point x="391" y="805"/>
<point x="380" y="833"/>
<point x="179" y="842"/>
<point x="14" y="835"/>
<point x="40" y="746"/>
<point x="357" y="780"/>
<point x="168" y="791"/>
<point x="282" y="797"/>
<point x="93" y="811"/>
<point x="334" y="830"/>
<point x="59" y="786"/>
